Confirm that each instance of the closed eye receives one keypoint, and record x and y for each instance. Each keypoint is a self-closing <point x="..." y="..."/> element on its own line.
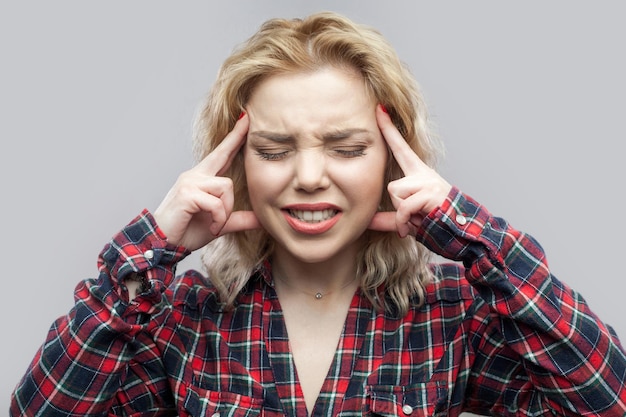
<point x="351" y="152"/>
<point x="271" y="156"/>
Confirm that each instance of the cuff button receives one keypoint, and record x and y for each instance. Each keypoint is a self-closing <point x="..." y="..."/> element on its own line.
<point x="461" y="219"/>
<point x="149" y="254"/>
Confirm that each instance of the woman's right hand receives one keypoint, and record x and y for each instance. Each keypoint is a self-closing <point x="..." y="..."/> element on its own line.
<point x="199" y="207"/>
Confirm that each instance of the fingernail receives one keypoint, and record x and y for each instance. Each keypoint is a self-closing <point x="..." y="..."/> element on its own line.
<point x="243" y="113"/>
<point x="383" y="108"/>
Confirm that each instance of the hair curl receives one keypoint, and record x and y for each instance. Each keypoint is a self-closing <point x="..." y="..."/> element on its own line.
<point x="396" y="267"/>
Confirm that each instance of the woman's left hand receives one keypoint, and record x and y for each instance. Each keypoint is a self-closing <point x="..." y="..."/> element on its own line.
<point x="415" y="195"/>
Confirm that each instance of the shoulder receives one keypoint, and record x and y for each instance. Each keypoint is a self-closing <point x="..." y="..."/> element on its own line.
<point x="194" y="291"/>
<point x="448" y="284"/>
<point x="449" y="300"/>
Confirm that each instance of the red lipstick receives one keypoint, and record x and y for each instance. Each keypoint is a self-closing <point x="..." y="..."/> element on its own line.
<point x="311" y="219"/>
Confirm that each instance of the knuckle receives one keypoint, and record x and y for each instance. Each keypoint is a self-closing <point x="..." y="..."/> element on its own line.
<point x="185" y="187"/>
<point x="227" y="183"/>
<point x="392" y="187"/>
<point x="186" y="178"/>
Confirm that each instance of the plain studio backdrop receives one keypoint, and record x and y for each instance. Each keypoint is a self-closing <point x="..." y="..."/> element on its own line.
<point x="97" y="100"/>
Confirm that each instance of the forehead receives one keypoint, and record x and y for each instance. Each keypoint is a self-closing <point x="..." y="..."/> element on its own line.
<point x="326" y="96"/>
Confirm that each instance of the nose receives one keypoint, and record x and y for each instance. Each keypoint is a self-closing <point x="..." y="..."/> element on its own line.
<point x="311" y="172"/>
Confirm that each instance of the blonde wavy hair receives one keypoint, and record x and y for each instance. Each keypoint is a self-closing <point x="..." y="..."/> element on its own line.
<point x="392" y="271"/>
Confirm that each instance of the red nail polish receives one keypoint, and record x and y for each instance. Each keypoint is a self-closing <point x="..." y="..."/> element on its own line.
<point x="243" y="113"/>
<point x="383" y="108"/>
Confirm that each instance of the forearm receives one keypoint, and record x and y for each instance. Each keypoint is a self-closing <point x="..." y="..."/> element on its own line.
<point x="80" y="365"/>
<point x="569" y="355"/>
<point x="84" y="360"/>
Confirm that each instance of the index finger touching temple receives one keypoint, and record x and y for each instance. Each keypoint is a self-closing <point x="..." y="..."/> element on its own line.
<point x="219" y="160"/>
<point x="408" y="160"/>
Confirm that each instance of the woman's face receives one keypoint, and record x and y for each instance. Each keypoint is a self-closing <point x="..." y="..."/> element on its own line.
<point x="315" y="162"/>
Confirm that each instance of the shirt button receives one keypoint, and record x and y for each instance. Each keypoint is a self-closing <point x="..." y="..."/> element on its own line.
<point x="460" y="219"/>
<point x="149" y="254"/>
<point x="407" y="409"/>
<point x="215" y="415"/>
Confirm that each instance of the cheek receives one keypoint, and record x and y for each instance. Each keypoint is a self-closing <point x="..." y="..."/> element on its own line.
<point x="364" y="180"/>
<point x="374" y="177"/>
<point x="264" y="179"/>
<point x="252" y="178"/>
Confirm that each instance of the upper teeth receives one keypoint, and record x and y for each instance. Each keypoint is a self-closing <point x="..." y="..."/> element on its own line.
<point x="313" y="216"/>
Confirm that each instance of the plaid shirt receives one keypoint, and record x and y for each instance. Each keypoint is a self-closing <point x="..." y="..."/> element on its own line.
<point x="498" y="334"/>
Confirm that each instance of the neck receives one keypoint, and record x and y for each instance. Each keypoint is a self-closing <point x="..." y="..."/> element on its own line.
<point x="326" y="278"/>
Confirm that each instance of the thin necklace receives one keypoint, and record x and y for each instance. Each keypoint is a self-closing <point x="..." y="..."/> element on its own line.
<point x="318" y="295"/>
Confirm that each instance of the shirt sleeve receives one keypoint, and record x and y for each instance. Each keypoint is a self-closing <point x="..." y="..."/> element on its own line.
<point x="99" y="346"/>
<point x="573" y="363"/>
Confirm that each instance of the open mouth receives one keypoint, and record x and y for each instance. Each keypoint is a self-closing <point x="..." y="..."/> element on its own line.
<point x="313" y="216"/>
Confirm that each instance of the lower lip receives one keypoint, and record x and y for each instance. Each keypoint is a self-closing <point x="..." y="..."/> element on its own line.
<point x="311" y="228"/>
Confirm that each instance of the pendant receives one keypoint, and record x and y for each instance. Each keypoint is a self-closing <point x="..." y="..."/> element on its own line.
<point x="318" y="296"/>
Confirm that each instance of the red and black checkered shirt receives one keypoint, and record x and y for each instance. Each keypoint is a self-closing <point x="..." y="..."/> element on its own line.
<point x="498" y="334"/>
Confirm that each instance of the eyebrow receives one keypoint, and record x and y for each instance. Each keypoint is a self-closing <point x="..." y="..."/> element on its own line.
<point x="343" y="134"/>
<point x="273" y="136"/>
<point x="329" y="136"/>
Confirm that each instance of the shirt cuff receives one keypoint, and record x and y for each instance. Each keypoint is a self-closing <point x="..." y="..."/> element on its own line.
<point x="461" y="229"/>
<point x="141" y="248"/>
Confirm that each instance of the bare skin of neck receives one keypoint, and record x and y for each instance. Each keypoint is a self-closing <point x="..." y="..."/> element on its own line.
<point x="315" y="325"/>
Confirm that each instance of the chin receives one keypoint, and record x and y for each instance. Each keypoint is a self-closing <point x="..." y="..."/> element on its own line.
<point x="309" y="256"/>
<point x="318" y="252"/>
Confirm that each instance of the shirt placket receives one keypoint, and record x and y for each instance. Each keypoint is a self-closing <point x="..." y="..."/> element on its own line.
<point x="336" y="393"/>
<point x="281" y="359"/>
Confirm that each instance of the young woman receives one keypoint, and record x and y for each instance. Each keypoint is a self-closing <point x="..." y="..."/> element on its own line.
<point x="318" y="207"/>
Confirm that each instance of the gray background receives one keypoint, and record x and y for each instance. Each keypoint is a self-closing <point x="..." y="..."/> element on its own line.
<point x="97" y="99"/>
